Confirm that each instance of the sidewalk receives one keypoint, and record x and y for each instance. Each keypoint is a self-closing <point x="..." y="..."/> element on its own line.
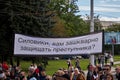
<point x="118" y="62"/>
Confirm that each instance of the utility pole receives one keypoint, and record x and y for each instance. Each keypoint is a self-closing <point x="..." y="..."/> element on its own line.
<point x="92" y="57"/>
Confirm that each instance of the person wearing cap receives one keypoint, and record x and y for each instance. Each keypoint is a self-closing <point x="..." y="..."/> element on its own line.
<point x="118" y="72"/>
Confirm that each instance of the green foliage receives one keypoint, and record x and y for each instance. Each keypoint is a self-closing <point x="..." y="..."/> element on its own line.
<point x="114" y="27"/>
<point x="59" y="28"/>
<point x="54" y="65"/>
<point x="27" y="17"/>
<point x="117" y="58"/>
<point x="64" y="6"/>
<point x="25" y="65"/>
<point x="97" y="24"/>
<point x="30" y="17"/>
<point x="73" y="24"/>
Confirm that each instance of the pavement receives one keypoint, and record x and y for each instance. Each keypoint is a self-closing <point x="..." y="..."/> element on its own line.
<point x="118" y="62"/>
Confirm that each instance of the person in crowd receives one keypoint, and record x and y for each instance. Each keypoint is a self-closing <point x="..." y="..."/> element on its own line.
<point x="90" y="72"/>
<point x="23" y="75"/>
<point x="77" y="63"/>
<point x="102" y="60"/>
<point x="12" y="74"/>
<point x="5" y="65"/>
<point x="70" y="70"/>
<point x="95" y="61"/>
<point x="43" y="75"/>
<point x="33" y="69"/>
<point x="109" y="77"/>
<point x="66" y="75"/>
<point x="111" y="59"/>
<point x="99" y="59"/>
<point x="105" y="71"/>
<point x="31" y="75"/>
<point x="72" y="73"/>
<point x="118" y="72"/>
<point x="37" y="71"/>
<point x="10" y="68"/>
<point x="95" y="73"/>
<point x="40" y="68"/>
<point x="76" y="75"/>
<point x="2" y="75"/>
<point x="17" y="71"/>
<point x="60" y="75"/>
<point x="48" y="77"/>
<point x="106" y="57"/>
<point x="0" y="66"/>
<point x="31" y="66"/>
<point x="7" y="74"/>
<point x="99" y="67"/>
<point x="68" y="63"/>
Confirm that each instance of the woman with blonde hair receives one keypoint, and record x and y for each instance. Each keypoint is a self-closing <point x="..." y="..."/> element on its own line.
<point x="76" y="75"/>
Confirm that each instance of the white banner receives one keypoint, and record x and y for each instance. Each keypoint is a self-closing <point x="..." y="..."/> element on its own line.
<point x="26" y="45"/>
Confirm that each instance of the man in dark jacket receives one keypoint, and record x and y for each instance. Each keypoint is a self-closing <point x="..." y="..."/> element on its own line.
<point x="118" y="72"/>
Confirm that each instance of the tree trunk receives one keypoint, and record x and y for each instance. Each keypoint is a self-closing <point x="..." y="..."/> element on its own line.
<point x="18" y="61"/>
<point x="11" y="60"/>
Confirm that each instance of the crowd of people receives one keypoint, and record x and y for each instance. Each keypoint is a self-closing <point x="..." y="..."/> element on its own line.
<point x="104" y="59"/>
<point x="37" y="72"/>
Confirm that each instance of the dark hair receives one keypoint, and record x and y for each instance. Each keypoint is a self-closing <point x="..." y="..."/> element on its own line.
<point x="1" y="71"/>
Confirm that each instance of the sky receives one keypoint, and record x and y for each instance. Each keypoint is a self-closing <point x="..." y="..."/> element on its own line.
<point x="108" y="10"/>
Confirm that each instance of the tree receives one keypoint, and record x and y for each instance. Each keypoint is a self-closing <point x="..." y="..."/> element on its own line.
<point x="114" y="27"/>
<point x="97" y="24"/>
<point x="29" y="17"/>
<point x="59" y="29"/>
<point x="73" y="24"/>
